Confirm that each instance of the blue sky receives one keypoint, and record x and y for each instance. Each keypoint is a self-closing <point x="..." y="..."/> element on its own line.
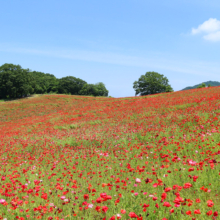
<point x="114" y="42"/>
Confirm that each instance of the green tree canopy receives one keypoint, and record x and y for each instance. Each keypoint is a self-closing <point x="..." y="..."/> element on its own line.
<point x="88" y="89"/>
<point x="97" y="89"/>
<point x="202" y="86"/>
<point x="44" y="83"/>
<point x="151" y="83"/>
<point x="14" y="81"/>
<point x="100" y="89"/>
<point x="70" y="85"/>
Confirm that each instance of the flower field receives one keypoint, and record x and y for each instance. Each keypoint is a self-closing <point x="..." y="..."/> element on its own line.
<point x="72" y="157"/>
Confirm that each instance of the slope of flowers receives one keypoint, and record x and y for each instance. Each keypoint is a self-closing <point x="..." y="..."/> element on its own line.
<point x="71" y="157"/>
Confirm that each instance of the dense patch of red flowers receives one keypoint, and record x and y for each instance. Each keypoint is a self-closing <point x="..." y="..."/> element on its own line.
<point x="71" y="157"/>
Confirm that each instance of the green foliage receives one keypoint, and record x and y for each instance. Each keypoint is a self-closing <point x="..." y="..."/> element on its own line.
<point x="73" y="126"/>
<point x="44" y="83"/>
<point x="59" y="127"/>
<point x="208" y="83"/>
<point x="100" y="89"/>
<point x="70" y="85"/>
<point x="88" y="89"/>
<point x="96" y="122"/>
<point x="97" y="89"/>
<point x="151" y="83"/>
<point x="201" y="86"/>
<point x="16" y="82"/>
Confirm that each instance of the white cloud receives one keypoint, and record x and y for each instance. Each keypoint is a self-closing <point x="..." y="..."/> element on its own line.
<point x="212" y="25"/>
<point x="213" y="36"/>
<point x="211" y="29"/>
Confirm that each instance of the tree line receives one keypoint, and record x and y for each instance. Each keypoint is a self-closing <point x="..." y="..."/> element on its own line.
<point x="16" y="82"/>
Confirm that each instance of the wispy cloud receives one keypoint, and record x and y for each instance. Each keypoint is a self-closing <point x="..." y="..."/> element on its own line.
<point x="210" y="30"/>
<point x="151" y="62"/>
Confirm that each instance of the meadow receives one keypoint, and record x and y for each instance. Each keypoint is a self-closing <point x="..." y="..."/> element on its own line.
<point x="73" y="157"/>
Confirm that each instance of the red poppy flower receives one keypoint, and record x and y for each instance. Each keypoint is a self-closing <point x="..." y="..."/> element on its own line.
<point x="133" y="215"/>
<point x="123" y="211"/>
<point x="215" y="213"/>
<point x="188" y="212"/>
<point x="197" y="211"/>
<point x="86" y="196"/>
<point x="104" y="209"/>
<point x="210" y="203"/>
<point x="209" y="212"/>
<point x="99" y="200"/>
<point x="166" y="204"/>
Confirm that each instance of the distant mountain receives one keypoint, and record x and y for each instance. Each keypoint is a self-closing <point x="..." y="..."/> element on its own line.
<point x="212" y="83"/>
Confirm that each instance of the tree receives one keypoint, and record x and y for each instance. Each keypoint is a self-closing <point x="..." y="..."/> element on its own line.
<point x="201" y="86"/>
<point x="100" y="89"/>
<point x="151" y="83"/>
<point x="44" y="83"/>
<point x="15" y="82"/>
<point x="88" y="89"/>
<point x="97" y="89"/>
<point x="70" y="85"/>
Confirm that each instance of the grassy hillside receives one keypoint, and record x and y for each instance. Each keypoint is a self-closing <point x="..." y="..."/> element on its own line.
<point x="212" y="83"/>
<point x="74" y="157"/>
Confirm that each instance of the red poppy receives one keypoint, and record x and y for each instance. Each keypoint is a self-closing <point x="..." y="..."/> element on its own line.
<point x="215" y="213"/>
<point x="171" y="210"/>
<point x="133" y="215"/>
<point x="99" y="200"/>
<point x="168" y="189"/>
<point x="197" y="211"/>
<point x="191" y="169"/>
<point x="166" y="204"/>
<point x="209" y="212"/>
<point x="188" y="212"/>
<point x="123" y="211"/>
<point x="86" y="196"/>
<point x="210" y="203"/>
<point x="104" y="209"/>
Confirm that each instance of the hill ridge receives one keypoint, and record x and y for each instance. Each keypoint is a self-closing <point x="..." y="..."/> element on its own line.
<point x="212" y="83"/>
